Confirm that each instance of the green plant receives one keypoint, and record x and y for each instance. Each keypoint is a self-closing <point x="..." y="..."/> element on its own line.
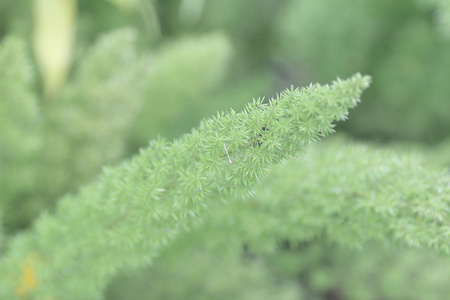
<point x="135" y="209"/>
<point x="397" y="42"/>
<point x="226" y="212"/>
<point x="345" y="218"/>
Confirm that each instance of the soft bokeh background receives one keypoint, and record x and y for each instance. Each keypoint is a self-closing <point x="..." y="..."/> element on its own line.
<point x="93" y="81"/>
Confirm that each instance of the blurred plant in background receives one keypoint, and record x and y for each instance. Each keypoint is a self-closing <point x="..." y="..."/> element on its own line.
<point x="84" y="84"/>
<point x="398" y="42"/>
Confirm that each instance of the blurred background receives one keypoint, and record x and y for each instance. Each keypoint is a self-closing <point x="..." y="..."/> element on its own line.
<point x="94" y="81"/>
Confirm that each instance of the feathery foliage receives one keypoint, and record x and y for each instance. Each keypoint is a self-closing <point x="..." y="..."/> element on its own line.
<point x="20" y="123"/>
<point x="350" y="195"/>
<point x="109" y="87"/>
<point x="59" y="136"/>
<point x="338" y="195"/>
<point x="135" y="209"/>
<point x="172" y="66"/>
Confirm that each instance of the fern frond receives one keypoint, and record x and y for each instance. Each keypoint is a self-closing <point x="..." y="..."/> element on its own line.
<point x="346" y="194"/>
<point x="126" y="217"/>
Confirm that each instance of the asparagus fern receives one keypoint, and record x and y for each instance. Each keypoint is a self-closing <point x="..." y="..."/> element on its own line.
<point x="125" y="218"/>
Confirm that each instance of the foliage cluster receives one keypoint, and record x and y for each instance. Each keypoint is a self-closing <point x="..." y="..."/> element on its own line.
<point x="319" y="213"/>
<point x="89" y="210"/>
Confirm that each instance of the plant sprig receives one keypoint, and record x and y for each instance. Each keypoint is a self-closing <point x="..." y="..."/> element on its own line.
<point x="132" y="211"/>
